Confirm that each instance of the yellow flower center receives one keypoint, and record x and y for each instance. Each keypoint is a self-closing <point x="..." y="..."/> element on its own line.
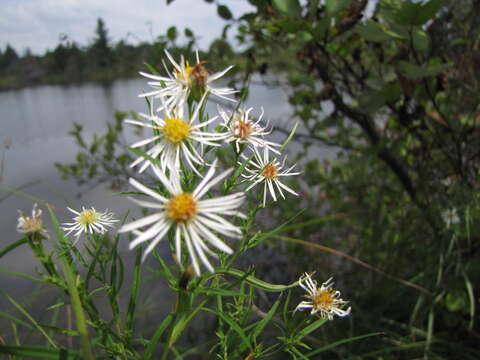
<point x="181" y="208"/>
<point x="242" y="129"/>
<point x="87" y="217"/>
<point x="176" y="130"/>
<point x="324" y="299"/>
<point x="269" y="171"/>
<point x="188" y="72"/>
<point x="195" y="75"/>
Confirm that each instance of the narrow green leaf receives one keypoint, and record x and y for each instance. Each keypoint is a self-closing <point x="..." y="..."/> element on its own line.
<point x="290" y="136"/>
<point x="340" y="342"/>
<point x="219" y="291"/>
<point x="39" y="352"/>
<point x="310" y="328"/>
<point x="262" y="323"/>
<point x="58" y="330"/>
<point x="15" y="320"/>
<point x="32" y="320"/>
<point x="471" y="298"/>
<point x="233" y="325"/>
<point x="22" y="275"/>
<point x="13" y="246"/>
<point x="57" y="305"/>
<point x="157" y="335"/>
<point x="256" y="282"/>
<point x="151" y="69"/>
<point x="137" y="272"/>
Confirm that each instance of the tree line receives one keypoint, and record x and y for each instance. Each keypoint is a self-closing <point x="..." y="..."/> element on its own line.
<point x="101" y="60"/>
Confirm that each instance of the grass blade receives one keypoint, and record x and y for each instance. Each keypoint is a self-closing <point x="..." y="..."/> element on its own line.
<point x="32" y="320"/>
<point x="39" y="352"/>
<point x="340" y="342"/>
<point x="129" y="323"/>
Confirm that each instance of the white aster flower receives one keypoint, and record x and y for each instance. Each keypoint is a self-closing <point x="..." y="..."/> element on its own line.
<point x="266" y="171"/>
<point x="175" y="136"/>
<point x="195" y="221"/>
<point x="243" y="130"/>
<point x="450" y="217"/>
<point x="31" y="224"/>
<point x="185" y="79"/>
<point x="325" y="299"/>
<point x="89" y="221"/>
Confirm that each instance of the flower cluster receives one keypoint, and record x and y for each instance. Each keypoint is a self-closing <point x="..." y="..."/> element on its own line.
<point x="188" y="212"/>
<point x="180" y="135"/>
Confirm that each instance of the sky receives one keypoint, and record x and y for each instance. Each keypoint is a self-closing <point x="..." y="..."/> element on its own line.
<point x="38" y="24"/>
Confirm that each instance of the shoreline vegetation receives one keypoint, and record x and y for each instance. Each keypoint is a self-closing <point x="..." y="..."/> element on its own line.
<point x="101" y="60"/>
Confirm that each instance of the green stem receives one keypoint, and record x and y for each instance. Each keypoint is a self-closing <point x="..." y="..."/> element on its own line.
<point x="72" y="287"/>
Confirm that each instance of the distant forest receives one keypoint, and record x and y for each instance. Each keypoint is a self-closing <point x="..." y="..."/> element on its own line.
<point x="101" y="60"/>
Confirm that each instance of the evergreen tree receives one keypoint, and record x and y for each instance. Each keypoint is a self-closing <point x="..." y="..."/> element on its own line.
<point x="8" y="57"/>
<point x="101" y="51"/>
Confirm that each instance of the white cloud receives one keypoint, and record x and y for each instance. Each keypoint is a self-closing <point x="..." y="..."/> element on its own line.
<point x="37" y="24"/>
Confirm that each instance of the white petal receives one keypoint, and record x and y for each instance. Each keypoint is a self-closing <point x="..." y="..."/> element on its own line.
<point x="140" y="222"/>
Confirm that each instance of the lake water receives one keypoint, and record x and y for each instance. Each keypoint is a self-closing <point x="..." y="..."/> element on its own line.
<point x="34" y="125"/>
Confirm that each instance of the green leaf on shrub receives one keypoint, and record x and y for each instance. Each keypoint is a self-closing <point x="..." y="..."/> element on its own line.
<point x="38" y="352"/>
<point x="415" y="72"/>
<point x="224" y="12"/>
<point x="335" y="6"/>
<point x="417" y="14"/>
<point x="372" y="31"/>
<point x="290" y="8"/>
<point x="172" y="33"/>
<point x="188" y="33"/>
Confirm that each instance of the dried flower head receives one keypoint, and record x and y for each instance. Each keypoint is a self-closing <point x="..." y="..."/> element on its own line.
<point x="31" y="224"/>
